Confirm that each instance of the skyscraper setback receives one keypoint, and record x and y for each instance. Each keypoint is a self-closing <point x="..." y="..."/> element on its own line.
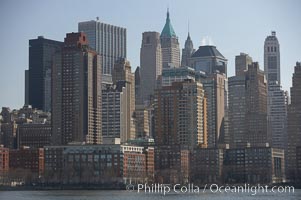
<point x="108" y="40"/>
<point x="79" y="81"/>
<point x="41" y="52"/>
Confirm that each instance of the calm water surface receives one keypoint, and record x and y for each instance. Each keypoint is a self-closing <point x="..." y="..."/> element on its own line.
<point x="126" y="195"/>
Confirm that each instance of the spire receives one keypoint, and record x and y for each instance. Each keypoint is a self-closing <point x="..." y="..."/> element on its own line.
<point x="167" y="15"/>
<point x="168" y="30"/>
<point x="188" y="37"/>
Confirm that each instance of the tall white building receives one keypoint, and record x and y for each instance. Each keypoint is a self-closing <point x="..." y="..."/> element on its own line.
<point x="108" y="40"/>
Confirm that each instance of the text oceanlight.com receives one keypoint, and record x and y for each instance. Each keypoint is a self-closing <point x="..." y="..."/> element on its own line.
<point x="208" y="188"/>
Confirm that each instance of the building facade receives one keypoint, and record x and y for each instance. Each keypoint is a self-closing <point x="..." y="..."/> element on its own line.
<point x="150" y="63"/>
<point x="179" y="115"/>
<point x="122" y="72"/>
<point x="34" y="135"/>
<point x="294" y="125"/>
<point x="78" y="93"/>
<point x="254" y="165"/>
<point x="187" y="51"/>
<point x="170" y="45"/>
<point x="41" y="52"/>
<point x="242" y="62"/>
<point x="108" y="40"/>
<point x="209" y="60"/>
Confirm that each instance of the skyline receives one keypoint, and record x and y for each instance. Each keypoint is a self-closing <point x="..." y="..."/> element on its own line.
<point x="21" y="26"/>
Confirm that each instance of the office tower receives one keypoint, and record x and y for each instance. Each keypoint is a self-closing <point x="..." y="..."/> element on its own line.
<point x="78" y="106"/>
<point x="248" y="124"/>
<point x="41" y="52"/>
<point x="277" y="109"/>
<point x="179" y="115"/>
<point x="170" y="45"/>
<point x="26" y="89"/>
<point x="122" y="72"/>
<point x="114" y="112"/>
<point x="256" y="107"/>
<point x="209" y="60"/>
<point x="170" y="75"/>
<point x="142" y="121"/>
<point x="277" y="116"/>
<point x="138" y="92"/>
<point x="294" y="126"/>
<point x="241" y="63"/>
<point x="150" y="63"/>
<point x="108" y="40"/>
<point x="272" y="59"/>
<point x="237" y="110"/>
<point x="214" y="87"/>
<point x="187" y="51"/>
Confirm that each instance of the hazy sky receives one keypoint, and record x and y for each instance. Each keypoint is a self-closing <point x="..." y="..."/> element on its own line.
<point x="234" y="26"/>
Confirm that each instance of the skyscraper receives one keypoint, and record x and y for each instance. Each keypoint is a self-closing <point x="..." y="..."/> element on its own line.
<point x="78" y="92"/>
<point x="179" y="115"/>
<point x="170" y="45"/>
<point x="187" y="51"/>
<point x="150" y="63"/>
<point x="122" y="72"/>
<point x="237" y="110"/>
<point x="213" y="65"/>
<point x="256" y="107"/>
<point x="294" y="126"/>
<point x="277" y="109"/>
<point x="214" y="87"/>
<point x="209" y="60"/>
<point x="41" y="53"/>
<point x="241" y="63"/>
<point x="272" y="59"/>
<point x="108" y="40"/>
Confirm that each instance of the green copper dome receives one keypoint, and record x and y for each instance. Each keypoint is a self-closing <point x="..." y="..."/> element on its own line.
<point x="168" y="29"/>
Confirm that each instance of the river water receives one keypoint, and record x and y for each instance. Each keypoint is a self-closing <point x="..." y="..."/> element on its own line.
<point x="127" y="195"/>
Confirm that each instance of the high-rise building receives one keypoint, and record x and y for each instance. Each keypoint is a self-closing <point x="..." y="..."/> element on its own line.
<point x="170" y="45"/>
<point x="187" y="51"/>
<point x="237" y="110"/>
<point x="108" y="40"/>
<point x="142" y="121"/>
<point x="248" y="124"/>
<point x="294" y="125"/>
<point x="277" y="116"/>
<point x="277" y="109"/>
<point x="256" y="107"/>
<point x="122" y="72"/>
<point x="41" y="52"/>
<point x="138" y="92"/>
<point x="241" y="63"/>
<point x="209" y="60"/>
<point x="78" y="93"/>
<point x="115" y="116"/>
<point x="179" y="115"/>
<point x="214" y="87"/>
<point x="150" y="63"/>
<point x="272" y="59"/>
